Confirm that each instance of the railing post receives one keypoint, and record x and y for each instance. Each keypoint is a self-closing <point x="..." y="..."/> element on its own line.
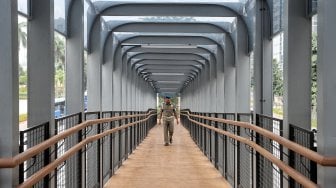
<point x="313" y="165"/>
<point x="120" y="144"/>
<point x="113" y="145"/>
<point x="137" y="130"/>
<point x="256" y="171"/>
<point x="99" y="154"/>
<point x="21" y="166"/>
<point x="131" y="134"/>
<point x="126" y="137"/>
<point x="80" y="154"/>
<point x="216" y="143"/>
<point x="46" y="153"/>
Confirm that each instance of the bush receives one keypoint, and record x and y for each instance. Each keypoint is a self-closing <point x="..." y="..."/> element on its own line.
<point x="314" y="124"/>
<point x="277" y="112"/>
<point x="23" y="117"/>
<point x="23" y="92"/>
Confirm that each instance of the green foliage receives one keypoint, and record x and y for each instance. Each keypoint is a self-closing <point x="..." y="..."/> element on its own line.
<point x="23" y="83"/>
<point x="23" y="117"/>
<point x="59" y="51"/>
<point x="22" y="76"/>
<point x="278" y="112"/>
<point x="314" y="124"/>
<point x="314" y="70"/>
<point x="277" y="78"/>
<point x="59" y="65"/>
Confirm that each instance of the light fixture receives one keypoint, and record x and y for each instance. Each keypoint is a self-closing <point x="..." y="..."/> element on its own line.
<point x="169" y="82"/>
<point x="167" y="88"/>
<point x="180" y="46"/>
<point x="167" y="74"/>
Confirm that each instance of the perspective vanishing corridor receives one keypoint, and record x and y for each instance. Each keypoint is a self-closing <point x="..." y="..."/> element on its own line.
<point x="252" y="81"/>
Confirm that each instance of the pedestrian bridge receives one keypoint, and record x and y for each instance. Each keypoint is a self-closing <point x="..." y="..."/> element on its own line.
<point x="223" y="60"/>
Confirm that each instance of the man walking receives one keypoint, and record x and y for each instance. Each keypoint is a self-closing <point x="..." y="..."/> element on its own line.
<point x="168" y="112"/>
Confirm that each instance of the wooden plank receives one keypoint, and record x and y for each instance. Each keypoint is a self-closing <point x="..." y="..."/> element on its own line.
<point x="181" y="164"/>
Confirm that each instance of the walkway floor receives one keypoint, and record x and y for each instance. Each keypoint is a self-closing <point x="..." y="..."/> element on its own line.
<point x="181" y="164"/>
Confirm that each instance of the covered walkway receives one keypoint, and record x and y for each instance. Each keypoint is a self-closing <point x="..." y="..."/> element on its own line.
<point x="215" y="58"/>
<point x="181" y="164"/>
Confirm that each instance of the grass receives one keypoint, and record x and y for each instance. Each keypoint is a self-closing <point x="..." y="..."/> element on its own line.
<point x="314" y="123"/>
<point x="277" y="112"/>
<point x="23" y="92"/>
<point x="22" y="117"/>
<point x="22" y="96"/>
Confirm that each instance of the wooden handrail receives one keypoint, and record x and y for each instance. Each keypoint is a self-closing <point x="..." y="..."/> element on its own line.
<point x="36" y="177"/>
<point x="312" y="155"/>
<point x="284" y="167"/>
<point x="29" y="153"/>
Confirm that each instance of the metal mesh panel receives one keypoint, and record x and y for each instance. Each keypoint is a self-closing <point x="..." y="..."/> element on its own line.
<point x="131" y="133"/>
<point x="115" y="140"/>
<point x="244" y="153"/>
<point x="213" y="141"/>
<point x="91" y="166"/>
<point x="221" y="147"/>
<point x="305" y="166"/>
<point x="28" y="139"/>
<point x="127" y="136"/>
<point x="123" y="138"/>
<point x="107" y="149"/>
<point x="69" y="173"/>
<point x="230" y="170"/>
<point x="92" y="154"/>
<point x="269" y="175"/>
<point x="207" y="137"/>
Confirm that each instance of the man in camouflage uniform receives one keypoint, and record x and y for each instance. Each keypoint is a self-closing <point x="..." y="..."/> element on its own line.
<point x="168" y="112"/>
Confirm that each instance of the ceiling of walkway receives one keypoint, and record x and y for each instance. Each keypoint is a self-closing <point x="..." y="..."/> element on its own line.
<point x="168" y="43"/>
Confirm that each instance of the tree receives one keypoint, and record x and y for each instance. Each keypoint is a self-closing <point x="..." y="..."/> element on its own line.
<point x="59" y="65"/>
<point x="59" y="51"/>
<point x="277" y="79"/>
<point x="314" y="69"/>
<point x="22" y="76"/>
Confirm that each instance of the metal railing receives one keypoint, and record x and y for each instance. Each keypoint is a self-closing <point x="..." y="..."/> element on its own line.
<point x="252" y="155"/>
<point x="245" y="169"/>
<point x="302" y="164"/>
<point x="69" y="173"/>
<point x="247" y="155"/>
<point x="86" y="154"/>
<point x="29" y="138"/>
<point x="268" y="174"/>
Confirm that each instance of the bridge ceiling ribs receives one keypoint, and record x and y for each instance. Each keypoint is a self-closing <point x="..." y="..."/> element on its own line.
<point x="169" y="44"/>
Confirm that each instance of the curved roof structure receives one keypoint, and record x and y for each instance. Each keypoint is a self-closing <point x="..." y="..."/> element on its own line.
<point x="164" y="36"/>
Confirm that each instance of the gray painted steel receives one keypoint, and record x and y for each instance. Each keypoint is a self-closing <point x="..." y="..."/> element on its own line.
<point x="326" y="89"/>
<point x="297" y="65"/>
<point x="74" y="60"/>
<point x="263" y="95"/>
<point x="41" y="64"/>
<point x="9" y="90"/>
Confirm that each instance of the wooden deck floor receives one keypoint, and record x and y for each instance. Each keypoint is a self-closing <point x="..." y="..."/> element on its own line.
<point x="181" y="164"/>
